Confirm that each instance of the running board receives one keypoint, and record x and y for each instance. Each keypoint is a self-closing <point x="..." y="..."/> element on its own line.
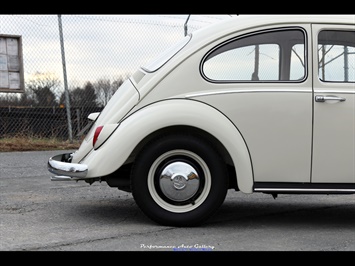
<point x="304" y="188"/>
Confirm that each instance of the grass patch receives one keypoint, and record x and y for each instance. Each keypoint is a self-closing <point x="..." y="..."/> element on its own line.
<point x="22" y="143"/>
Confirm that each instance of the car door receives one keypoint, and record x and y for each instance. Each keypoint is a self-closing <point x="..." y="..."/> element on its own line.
<point x="334" y="98"/>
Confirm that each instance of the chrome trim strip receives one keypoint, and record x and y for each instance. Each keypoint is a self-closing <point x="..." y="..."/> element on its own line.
<point x="192" y="95"/>
<point x="243" y="91"/>
<point x="302" y="190"/>
<point x="334" y="92"/>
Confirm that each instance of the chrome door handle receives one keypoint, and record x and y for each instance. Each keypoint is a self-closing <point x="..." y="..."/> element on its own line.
<point x="322" y="99"/>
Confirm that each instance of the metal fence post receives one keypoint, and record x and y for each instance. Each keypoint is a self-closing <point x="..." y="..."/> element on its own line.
<point x="67" y="102"/>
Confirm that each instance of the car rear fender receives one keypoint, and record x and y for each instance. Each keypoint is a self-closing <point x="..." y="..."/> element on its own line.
<point x="131" y="131"/>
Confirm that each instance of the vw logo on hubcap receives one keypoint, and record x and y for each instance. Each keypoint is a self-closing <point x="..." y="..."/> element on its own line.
<point x="179" y="181"/>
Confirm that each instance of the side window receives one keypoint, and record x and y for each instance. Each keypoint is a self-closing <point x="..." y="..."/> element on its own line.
<point x="336" y="56"/>
<point x="277" y="55"/>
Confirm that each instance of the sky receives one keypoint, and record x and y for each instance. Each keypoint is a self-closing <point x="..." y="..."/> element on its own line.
<point x="97" y="46"/>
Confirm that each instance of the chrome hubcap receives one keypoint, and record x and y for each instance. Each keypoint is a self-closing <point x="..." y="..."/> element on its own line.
<point x="179" y="181"/>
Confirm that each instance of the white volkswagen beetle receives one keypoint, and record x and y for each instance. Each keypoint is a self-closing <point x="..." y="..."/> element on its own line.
<point x="255" y="104"/>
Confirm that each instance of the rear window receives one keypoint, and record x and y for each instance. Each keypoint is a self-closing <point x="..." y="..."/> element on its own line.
<point x="165" y="56"/>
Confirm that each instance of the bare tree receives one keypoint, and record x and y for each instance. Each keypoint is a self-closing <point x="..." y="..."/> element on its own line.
<point x="105" y="89"/>
<point x="81" y="97"/>
<point x="41" y="86"/>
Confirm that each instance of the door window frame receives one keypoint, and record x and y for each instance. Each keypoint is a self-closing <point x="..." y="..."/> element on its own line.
<point x="240" y="37"/>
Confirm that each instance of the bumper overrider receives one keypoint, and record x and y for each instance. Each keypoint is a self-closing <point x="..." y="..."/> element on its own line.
<point x="60" y="165"/>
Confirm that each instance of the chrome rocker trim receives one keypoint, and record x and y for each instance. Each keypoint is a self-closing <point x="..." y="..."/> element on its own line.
<point x="304" y="188"/>
<point x="66" y="171"/>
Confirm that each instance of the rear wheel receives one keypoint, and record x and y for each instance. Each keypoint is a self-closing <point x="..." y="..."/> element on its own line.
<point x="179" y="180"/>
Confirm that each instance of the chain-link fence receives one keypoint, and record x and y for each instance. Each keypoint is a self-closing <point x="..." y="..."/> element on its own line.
<point x="74" y="63"/>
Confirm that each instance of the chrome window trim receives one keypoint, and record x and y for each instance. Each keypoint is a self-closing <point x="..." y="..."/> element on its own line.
<point x="251" y="34"/>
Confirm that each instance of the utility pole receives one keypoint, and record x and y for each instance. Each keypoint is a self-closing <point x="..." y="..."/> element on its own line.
<point x="66" y="91"/>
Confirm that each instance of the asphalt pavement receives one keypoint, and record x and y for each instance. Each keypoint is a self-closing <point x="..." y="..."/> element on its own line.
<point x="37" y="214"/>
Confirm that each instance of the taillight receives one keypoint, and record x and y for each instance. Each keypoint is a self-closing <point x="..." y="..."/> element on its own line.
<point x="96" y="134"/>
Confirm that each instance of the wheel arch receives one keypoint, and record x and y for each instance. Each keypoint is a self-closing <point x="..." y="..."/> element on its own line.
<point x="175" y="115"/>
<point x="187" y="129"/>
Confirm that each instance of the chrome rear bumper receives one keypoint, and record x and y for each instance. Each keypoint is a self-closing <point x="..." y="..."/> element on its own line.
<point x="64" y="170"/>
